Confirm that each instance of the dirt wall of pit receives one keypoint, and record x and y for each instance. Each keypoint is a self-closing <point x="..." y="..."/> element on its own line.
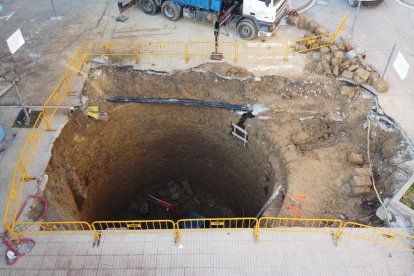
<point x="108" y="168"/>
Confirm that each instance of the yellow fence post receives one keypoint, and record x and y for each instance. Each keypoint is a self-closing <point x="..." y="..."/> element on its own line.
<point x="236" y="52"/>
<point x="287" y="53"/>
<point x="186" y="54"/>
<point x="47" y="122"/>
<point x="177" y="233"/>
<point x="68" y="92"/>
<point x="136" y="52"/>
<point x="340" y="26"/>
<point x="256" y="231"/>
<point x="337" y="234"/>
<point x="26" y="176"/>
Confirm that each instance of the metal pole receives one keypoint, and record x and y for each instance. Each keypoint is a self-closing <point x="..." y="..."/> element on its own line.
<point x="389" y="59"/>
<point x="53" y="7"/>
<point x="355" y="19"/>
<point x="271" y="198"/>
<point x="26" y="113"/>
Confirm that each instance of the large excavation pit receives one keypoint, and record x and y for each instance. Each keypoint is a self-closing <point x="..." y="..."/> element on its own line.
<point x="309" y="138"/>
<point x="183" y="155"/>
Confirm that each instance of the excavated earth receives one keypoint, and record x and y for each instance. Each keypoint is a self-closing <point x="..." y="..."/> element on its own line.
<point x="310" y="140"/>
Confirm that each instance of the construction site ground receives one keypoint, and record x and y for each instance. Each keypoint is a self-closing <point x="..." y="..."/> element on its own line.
<point x="50" y="43"/>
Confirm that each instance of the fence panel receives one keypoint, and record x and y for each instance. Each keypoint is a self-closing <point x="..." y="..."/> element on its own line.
<point x="52" y="228"/>
<point x="216" y="224"/>
<point x="134" y="226"/>
<point x="300" y="225"/>
<point x="312" y="43"/>
<point x="31" y="144"/>
<point x="161" y="48"/>
<point x="22" y="169"/>
<point x="56" y="99"/>
<point x="12" y="206"/>
<point x="117" y="48"/>
<point x="379" y="235"/>
<point x="75" y="66"/>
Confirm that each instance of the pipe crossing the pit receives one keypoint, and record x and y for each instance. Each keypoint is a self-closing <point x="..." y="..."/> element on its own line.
<point x="188" y="102"/>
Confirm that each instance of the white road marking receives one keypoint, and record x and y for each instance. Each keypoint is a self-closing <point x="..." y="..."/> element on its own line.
<point x="7" y="17"/>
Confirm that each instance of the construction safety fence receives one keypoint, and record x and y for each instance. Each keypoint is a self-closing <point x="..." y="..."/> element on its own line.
<point x="25" y="165"/>
<point x="232" y="50"/>
<point x="24" y="169"/>
<point x="334" y="227"/>
<point x="236" y="50"/>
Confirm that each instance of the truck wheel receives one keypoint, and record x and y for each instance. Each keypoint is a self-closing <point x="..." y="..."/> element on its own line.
<point x="353" y="3"/>
<point x="246" y="29"/>
<point x="149" y="7"/>
<point x="170" y="11"/>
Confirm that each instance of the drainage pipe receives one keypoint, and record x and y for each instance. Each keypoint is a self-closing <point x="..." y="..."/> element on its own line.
<point x="187" y="102"/>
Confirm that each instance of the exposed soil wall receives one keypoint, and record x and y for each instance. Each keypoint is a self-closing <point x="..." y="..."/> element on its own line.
<point x="110" y="167"/>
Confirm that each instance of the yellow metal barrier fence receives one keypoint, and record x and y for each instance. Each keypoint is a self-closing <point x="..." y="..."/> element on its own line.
<point x="217" y="225"/>
<point x="147" y="226"/>
<point x="378" y="235"/>
<point x="263" y="49"/>
<point x="22" y="172"/>
<point x="52" y="228"/>
<point x="134" y="227"/>
<point x="299" y="224"/>
<point x="310" y="225"/>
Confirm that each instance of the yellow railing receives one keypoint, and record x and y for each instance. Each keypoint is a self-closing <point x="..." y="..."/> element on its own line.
<point x="299" y="224"/>
<point x="217" y="225"/>
<point x="326" y="226"/>
<point x="134" y="227"/>
<point x="22" y="171"/>
<point x="146" y="226"/>
<point x="378" y="235"/>
<point x="236" y="50"/>
<point x="334" y="227"/>
<point x="52" y="228"/>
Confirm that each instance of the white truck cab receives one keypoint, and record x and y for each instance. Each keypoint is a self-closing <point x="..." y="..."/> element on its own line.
<point x="266" y="14"/>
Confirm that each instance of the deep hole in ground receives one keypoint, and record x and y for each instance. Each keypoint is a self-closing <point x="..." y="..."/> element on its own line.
<point x="311" y="140"/>
<point x="110" y="167"/>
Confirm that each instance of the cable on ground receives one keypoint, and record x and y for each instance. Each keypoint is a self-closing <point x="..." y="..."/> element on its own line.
<point x="370" y="166"/>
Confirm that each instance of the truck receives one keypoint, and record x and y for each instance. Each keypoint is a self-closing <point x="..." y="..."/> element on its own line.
<point x="365" y="3"/>
<point x="252" y="17"/>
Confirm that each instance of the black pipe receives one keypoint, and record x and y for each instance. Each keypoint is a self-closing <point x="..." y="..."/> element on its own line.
<point x="233" y="107"/>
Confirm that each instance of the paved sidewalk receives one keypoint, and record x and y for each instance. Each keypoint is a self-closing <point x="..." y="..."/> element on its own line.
<point x="216" y="253"/>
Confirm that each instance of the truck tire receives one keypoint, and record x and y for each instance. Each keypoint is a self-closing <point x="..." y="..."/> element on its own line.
<point x="149" y="6"/>
<point x="353" y="3"/>
<point x="247" y="29"/>
<point x="170" y="11"/>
